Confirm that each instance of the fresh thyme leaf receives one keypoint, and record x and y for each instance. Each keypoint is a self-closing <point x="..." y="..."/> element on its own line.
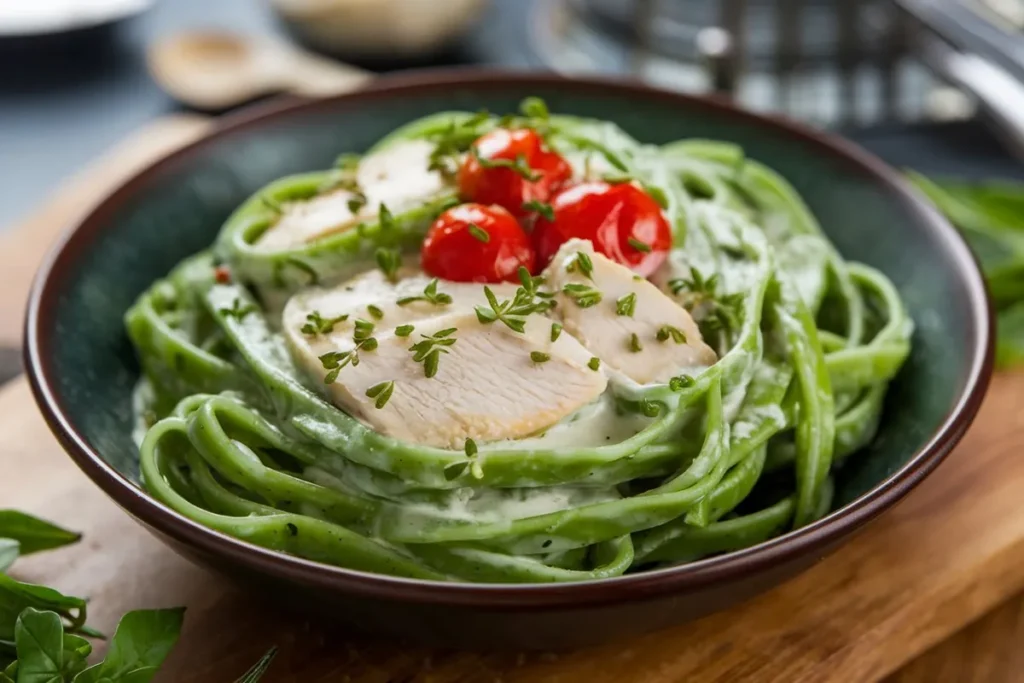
<point x="543" y="208"/>
<point x="681" y="382"/>
<point x="278" y="276"/>
<point x="357" y="202"/>
<point x="471" y="449"/>
<point x="430" y="295"/>
<point x="519" y="165"/>
<point x="657" y="194"/>
<point x="583" y="295"/>
<point x="403" y="330"/>
<point x="528" y="299"/>
<point x="385" y="219"/>
<point x="388" y="260"/>
<point x="594" y="363"/>
<point x="479" y="233"/>
<point x="317" y="324"/>
<point x="381" y="393"/>
<point x="347" y="162"/>
<point x="666" y="332"/>
<point x="634" y="343"/>
<point x="626" y="305"/>
<point x="237" y="310"/>
<point x="639" y="246"/>
<point x="556" y="330"/>
<point x="428" y="350"/>
<point x="649" y="408"/>
<point x="454" y="470"/>
<point x="581" y="264"/>
<point x="539" y="357"/>
<point x="534" y="108"/>
<point x="617" y="178"/>
<point x="332" y="376"/>
<point x="364" y="328"/>
<point x="375" y="312"/>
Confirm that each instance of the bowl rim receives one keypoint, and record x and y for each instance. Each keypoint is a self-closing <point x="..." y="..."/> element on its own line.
<point x="819" y="536"/>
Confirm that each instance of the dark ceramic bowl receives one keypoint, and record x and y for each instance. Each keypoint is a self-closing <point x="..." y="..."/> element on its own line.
<point x="82" y="366"/>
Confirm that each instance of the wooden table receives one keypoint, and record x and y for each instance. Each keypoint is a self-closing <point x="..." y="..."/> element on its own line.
<point x="121" y="567"/>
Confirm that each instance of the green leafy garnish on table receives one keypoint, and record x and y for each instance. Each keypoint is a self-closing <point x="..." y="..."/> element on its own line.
<point x="990" y="215"/>
<point x="43" y="633"/>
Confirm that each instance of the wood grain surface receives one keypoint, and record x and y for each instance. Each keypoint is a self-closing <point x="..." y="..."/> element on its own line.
<point x="940" y="561"/>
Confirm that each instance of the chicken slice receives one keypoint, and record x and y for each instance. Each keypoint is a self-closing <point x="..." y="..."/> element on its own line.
<point x="646" y="311"/>
<point x="397" y="176"/>
<point x="487" y="386"/>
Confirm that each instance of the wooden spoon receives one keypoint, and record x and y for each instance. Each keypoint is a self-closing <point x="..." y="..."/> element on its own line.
<point x="214" y="71"/>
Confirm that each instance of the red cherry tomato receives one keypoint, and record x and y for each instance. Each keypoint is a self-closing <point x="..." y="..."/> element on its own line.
<point x="504" y="186"/>
<point x="622" y="222"/>
<point x="476" y="243"/>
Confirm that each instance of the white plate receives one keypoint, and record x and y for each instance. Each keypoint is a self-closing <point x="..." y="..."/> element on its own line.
<point x="38" y="17"/>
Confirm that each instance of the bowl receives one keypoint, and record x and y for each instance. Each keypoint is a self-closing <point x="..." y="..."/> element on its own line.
<point x="82" y="367"/>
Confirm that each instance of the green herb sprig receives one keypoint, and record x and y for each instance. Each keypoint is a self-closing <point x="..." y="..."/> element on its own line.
<point x="429" y="350"/>
<point x="430" y="295"/>
<point x="317" y="324"/>
<point x="529" y="298"/>
<point x="584" y="296"/>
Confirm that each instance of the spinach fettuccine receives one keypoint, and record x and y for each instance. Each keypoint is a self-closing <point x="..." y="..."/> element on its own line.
<point x="516" y="349"/>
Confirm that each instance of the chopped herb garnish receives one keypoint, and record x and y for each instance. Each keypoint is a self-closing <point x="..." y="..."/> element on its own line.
<point x="375" y="312"/>
<point x="543" y="208"/>
<point x="556" y="330"/>
<point x="479" y="233"/>
<point x="357" y="202"/>
<point x="403" y="330"/>
<point x="454" y="139"/>
<point x="528" y="299"/>
<point x="278" y="276"/>
<point x="639" y="246"/>
<point x="388" y="260"/>
<point x="584" y="295"/>
<point x="429" y="350"/>
<point x="347" y="162"/>
<point x="626" y="305"/>
<point x="638" y="278"/>
<point x="666" y="332"/>
<point x="455" y="470"/>
<point x="317" y="324"/>
<point x="336" y="360"/>
<point x="381" y="393"/>
<point x="700" y="297"/>
<point x="471" y="449"/>
<point x="581" y="264"/>
<point x="594" y="363"/>
<point x="520" y="165"/>
<point x="364" y="328"/>
<point x="657" y="194"/>
<point x="385" y="219"/>
<point x="430" y="295"/>
<point x="237" y="310"/>
<point x="680" y="382"/>
<point x="539" y="357"/>
<point x="634" y="343"/>
<point x="534" y="108"/>
<point x="649" y="408"/>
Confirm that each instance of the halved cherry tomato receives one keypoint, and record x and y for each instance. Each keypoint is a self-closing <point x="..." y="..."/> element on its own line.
<point x="621" y="220"/>
<point x="482" y="182"/>
<point x="476" y="243"/>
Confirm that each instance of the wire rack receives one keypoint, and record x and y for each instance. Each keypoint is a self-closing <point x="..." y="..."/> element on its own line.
<point x="830" y="62"/>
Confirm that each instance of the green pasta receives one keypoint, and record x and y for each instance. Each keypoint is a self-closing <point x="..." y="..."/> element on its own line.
<point x="236" y="433"/>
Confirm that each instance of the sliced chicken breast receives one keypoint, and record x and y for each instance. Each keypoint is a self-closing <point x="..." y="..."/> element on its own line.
<point x="491" y="383"/>
<point x="397" y="176"/>
<point x="635" y="328"/>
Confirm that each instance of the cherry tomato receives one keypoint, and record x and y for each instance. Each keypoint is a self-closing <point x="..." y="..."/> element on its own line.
<point x="476" y="243"/>
<point x="487" y="184"/>
<point x="621" y="220"/>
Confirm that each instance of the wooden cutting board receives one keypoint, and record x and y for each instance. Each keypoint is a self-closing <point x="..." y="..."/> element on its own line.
<point x="950" y="553"/>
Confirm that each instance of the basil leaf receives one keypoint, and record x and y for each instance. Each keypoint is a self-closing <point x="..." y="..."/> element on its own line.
<point x="39" y="637"/>
<point x="9" y="551"/>
<point x="139" y="646"/>
<point x="16" y="596"/>
<point x="259" y="668"/>
<point x="76" y="650"/>
<point x="32" y="533"/>
<point x="10" y="672"/>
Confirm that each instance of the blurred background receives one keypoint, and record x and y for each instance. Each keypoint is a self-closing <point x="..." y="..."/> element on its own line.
<point x="934" y="84"/>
